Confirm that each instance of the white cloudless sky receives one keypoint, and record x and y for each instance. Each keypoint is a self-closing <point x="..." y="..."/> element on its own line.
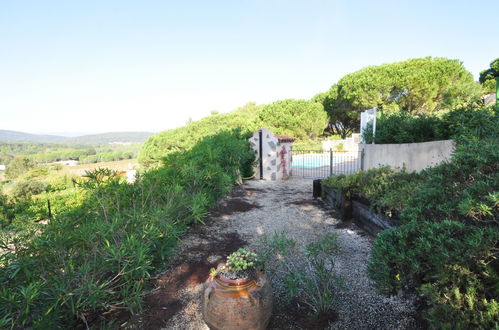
<point x="102" y="66"/>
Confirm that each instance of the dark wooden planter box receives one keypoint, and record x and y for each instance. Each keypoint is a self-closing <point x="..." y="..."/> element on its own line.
<point x="357" y="209"/>
<point x="336" y="199"/>
<point x="370" y="221"/>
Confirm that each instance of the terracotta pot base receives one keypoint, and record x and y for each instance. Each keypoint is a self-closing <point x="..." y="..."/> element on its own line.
<point x="237" y="304"/>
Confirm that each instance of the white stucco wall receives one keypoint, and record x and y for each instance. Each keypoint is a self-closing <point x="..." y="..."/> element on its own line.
<point x="414" y="156"/>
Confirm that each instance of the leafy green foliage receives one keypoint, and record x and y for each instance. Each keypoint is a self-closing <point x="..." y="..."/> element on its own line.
<point x="447" y="248"/>
<point x="473" y="120"/>
<point x="50" y="152"/>
<point x="464" y="189"/>
<point x="385" y="189"/>
<point x="491" y="73"/>
<point x="403" y="128"/>
<point x="415" y="86"/>
<point x="462" y="297"/>
<point x="453" y="264"/>
<point x="298" y="118"/>
<point x="18" y="166"/>
<point x="26" y="188"/>
<point x="184" y="138"/>
<point x="418" y="249"/>
<point x="307" y="273"/>
<point x="102" y="246"/>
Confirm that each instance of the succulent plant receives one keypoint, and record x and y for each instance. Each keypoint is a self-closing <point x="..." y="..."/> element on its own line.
<point x="241" y="260"/>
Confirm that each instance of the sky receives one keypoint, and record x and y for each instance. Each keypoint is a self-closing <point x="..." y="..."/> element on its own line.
<point x="102" y="66"/>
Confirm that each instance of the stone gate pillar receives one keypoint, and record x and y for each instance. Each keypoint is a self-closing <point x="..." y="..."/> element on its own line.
<point x="273" y="155"/>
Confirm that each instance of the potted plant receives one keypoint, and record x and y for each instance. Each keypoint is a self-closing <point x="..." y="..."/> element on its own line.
<point x="237" y="294"/>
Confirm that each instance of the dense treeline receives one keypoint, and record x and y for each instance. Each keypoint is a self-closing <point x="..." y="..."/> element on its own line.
<point x="83" y="140"/>
<point x="416" y="86"/>
<point x="420" y="86"/>
<point x="108" y="237"/>
<point x="300" y="118"/>
<point x="9" y="151"/>
<point x="48" y="152"/>
<point x="183" y="138"/>
<point x="447" y="248"/>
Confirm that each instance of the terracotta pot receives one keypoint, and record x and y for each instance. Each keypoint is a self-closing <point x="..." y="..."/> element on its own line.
<point x="237" y="304"/>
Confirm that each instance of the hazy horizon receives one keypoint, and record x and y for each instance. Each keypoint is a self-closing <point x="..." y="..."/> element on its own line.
<point x="71" y="134"/>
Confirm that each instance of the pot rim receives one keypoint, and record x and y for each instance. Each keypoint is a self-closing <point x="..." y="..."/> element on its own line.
<point x="241" y="281"/>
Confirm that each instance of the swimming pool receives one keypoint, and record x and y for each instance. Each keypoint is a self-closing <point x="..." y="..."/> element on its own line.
<point x="315" y="160"/>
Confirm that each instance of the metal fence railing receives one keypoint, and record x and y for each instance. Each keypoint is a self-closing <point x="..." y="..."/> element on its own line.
<point x="320" y="164"/>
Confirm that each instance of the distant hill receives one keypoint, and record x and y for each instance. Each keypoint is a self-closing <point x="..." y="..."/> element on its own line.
<point x="94" y="139"/>
<point x="14" y="136"/>
<point x="105" y="138"/>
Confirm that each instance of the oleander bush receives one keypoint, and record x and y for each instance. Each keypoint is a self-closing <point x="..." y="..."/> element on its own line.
<point x="100" y="249"/>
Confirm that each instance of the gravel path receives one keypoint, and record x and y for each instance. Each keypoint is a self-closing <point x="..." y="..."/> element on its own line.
<point x="254" y="209"/>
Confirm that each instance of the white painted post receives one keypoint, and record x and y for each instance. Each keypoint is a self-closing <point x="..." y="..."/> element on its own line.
<point x="366" y="117"/>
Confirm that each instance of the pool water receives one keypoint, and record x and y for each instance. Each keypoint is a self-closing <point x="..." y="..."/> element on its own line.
<point x="318" y="160"/>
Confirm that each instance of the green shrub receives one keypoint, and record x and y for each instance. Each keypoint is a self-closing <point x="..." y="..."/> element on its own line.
<point x="298" y="118"/>
<point x="18" y="166"/>
<point x="465" y="189"/>
<point x="403" y="128"/>
<point x="185" y="137"/>
<point x="453" y="264"/>
<point x="26" y="188"/>
<point x="385" y="189"/>
<point x="471" y="121"/>
<point x="447" y="247"/>
<point x="102" y="246"/>
<point x="488" y="77"/>
<point x="461" y="300"/>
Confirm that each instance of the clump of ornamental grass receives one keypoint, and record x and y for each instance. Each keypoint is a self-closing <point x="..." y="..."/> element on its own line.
<point x="304" y="274"/>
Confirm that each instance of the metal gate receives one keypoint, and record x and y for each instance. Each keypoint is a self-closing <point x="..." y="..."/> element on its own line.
<point x="320" y="164"/>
